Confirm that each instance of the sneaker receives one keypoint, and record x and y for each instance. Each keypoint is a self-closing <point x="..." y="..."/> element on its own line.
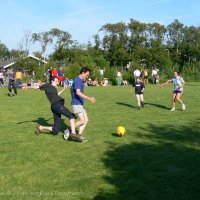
<point x="66" y="134"/>
<point x="76" y="137"/>
<point x="37" y="130"/>
<point x="142" y="104"/>
<point x="183" y="106"/>
<point x="138" y="107"/>
<point x="173" y="109"/>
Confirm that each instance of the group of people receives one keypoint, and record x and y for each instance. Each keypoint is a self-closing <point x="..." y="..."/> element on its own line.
<point x="145" y="75"/>
<point x="178" y="82"/>
<point x="77" y="127"/>
<point x="58" y="73"/>
<point x="58" y="108"/>
<point x="95" y="82"/>
<point x="13" y="79"/>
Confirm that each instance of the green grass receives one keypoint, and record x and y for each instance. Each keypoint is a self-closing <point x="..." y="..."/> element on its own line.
<point x="158" y="158"/>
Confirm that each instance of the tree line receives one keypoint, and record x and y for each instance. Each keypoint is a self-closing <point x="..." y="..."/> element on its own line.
<point x="119" y="47"/>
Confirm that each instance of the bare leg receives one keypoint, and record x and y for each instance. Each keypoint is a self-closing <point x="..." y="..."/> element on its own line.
<point x="83" y="120"/>
<point x="72" y="124"/>
<point x="174" y="101"/>
<point x="45" y="128"/>
<point x="178" y="97"/>
<point x="138" y="100"/>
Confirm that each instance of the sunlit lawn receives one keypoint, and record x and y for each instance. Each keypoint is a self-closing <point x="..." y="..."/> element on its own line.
<point x="158" y="158"/>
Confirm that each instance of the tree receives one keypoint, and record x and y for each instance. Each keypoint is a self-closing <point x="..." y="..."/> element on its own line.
<point x="4" y="52"/>
<point x="25" y="44"/>
<point x="44" y="39"/>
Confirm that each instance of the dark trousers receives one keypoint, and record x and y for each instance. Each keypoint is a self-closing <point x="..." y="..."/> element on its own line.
<point x="11" y="85"/>
<point x="59" y="109"/>
<point x="154" y="79"/>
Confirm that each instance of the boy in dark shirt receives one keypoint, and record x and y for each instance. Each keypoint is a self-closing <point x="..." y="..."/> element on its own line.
<point x="139" y="90"/>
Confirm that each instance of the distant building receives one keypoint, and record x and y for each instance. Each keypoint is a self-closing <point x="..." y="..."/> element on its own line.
<point x="5" y="65"/>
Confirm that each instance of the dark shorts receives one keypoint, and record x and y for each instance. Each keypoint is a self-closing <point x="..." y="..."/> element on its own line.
<point x="177" y="92"/>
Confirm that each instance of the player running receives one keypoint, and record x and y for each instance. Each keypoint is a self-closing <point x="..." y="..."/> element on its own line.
<point x="139" y="91"/>
<point x="58" y="109"/>
<point x="178" y="90"/>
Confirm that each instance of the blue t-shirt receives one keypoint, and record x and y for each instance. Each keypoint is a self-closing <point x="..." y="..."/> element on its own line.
<point x="177" y="84"/>
<point x="77" y="84"/>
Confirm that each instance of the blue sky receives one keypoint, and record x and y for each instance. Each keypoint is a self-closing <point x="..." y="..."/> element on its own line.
<point x="83" y="18"/>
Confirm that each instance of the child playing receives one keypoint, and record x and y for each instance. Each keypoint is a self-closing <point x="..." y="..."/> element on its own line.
<point x="139" y="90"/>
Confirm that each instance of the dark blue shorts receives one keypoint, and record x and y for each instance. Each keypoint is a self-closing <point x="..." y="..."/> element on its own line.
<point x="177" y="92"/>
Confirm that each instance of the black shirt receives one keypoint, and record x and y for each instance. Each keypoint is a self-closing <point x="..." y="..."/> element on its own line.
<point x="51" y="93"/>
<point x="138" y="87"/>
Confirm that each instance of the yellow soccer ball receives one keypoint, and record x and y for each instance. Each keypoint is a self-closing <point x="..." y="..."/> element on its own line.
<point x="120" y="131"/>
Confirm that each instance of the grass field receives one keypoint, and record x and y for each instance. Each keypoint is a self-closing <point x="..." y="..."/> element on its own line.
<point x="158" y="158"/>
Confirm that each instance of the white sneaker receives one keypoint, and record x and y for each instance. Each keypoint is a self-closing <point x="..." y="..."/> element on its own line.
<point x="183" y="106"/>
<point x="66" y="134"/>
<point x="173" y="109"/>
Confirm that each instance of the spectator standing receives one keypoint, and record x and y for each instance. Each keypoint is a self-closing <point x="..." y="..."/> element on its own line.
<point x="18" y="78"/>
<point x="54" y="73"/>
<point x="146" y="73"/>
<point x="1" y="79"/>
<point x="137" y="74"/>
<point x="61" y="76"/>
<point x="154" y="75"/>
<point x="119" y="78"/>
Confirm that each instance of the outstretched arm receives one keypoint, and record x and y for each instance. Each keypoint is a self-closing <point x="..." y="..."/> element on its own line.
<point x="35" y="86"/>
<point x="30" y="87"/>
<point x="61" y="91"/>
<point x="168" y="81"/>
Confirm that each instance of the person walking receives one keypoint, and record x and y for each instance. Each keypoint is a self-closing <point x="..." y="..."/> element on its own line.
<point x="177" y="91"/>
<point x="78" y="96"/>
<point x="11" y="83"/>
<point x="139" y="91"/>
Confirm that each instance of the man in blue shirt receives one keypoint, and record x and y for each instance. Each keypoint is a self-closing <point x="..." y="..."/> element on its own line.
<point x="178" y="90"/>
<point x="78" y="96"/>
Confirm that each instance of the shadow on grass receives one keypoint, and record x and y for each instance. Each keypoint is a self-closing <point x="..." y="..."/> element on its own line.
<point x="158" y="105"/>
<point x="164" y="166"/>
<point x="39" y="120"/>
<point x="126" y="104"/>
<point x="44" y="122"/>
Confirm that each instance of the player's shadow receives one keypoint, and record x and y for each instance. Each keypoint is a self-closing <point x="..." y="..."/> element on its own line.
<point x="39" y="120"/>
<point x="44" y="122"/>
<point x="157" y="105"/>
<point x="126" y="104"/>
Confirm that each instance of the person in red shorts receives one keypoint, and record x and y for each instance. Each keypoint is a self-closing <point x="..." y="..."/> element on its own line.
<point x="54" y="73"/>
<point x="61" y="76"/>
